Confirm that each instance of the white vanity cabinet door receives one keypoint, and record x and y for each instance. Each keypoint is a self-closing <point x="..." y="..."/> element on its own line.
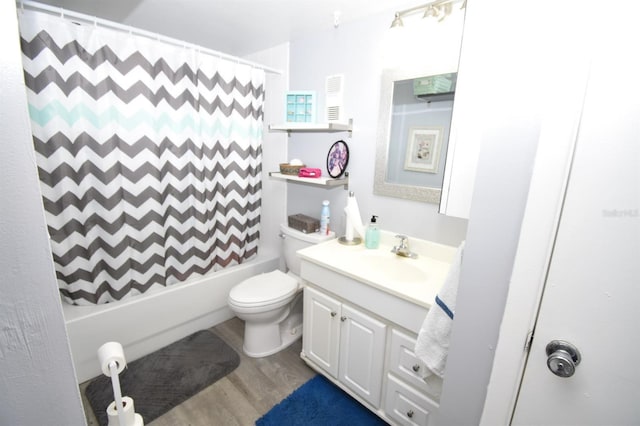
<point x="362" y="344"/>
<point x="321" y="330"/>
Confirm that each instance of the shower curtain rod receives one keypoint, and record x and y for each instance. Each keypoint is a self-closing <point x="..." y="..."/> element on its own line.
<point x="32" y="5"/>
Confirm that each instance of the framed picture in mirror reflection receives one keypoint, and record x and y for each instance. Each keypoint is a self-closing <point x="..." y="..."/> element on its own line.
<point x="423" y="149"/>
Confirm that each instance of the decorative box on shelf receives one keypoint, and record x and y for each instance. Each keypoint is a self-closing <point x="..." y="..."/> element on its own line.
<point x="303" y="223"/>
<point x="301" y="107"/>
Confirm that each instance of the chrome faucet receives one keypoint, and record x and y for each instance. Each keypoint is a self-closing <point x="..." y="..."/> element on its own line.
<point x="403" y="248"/>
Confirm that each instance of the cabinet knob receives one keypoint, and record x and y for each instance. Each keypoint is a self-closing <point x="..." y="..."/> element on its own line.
<point x="416" y="368"/>
<point x="333" y="314"/>
<point x="343" y="319"/>
<point x="410" y="413"/>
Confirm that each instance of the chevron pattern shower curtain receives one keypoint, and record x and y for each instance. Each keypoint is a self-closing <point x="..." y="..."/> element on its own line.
<point x="149" y="157"/>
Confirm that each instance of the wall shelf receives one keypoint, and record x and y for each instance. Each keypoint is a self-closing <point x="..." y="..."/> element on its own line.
<point x="313" y="127"/>
<point x="321" y="181"/>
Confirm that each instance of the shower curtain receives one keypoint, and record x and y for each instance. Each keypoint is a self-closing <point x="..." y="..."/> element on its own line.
<point x="149" y="157"/>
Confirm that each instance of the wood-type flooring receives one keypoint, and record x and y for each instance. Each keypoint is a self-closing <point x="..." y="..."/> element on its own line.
<point x="241" y="397"/>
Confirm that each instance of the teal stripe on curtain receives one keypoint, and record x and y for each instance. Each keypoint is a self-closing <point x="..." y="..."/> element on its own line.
<point x="149" y="157"/>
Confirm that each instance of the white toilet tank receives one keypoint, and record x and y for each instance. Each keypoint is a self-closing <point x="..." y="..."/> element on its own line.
<point x="295" y="240"/>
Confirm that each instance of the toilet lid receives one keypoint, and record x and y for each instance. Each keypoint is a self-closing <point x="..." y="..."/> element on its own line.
<point x="264" y="289"/>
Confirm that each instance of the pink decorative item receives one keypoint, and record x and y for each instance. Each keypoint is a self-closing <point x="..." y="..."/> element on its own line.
<point x="309" y="172"/>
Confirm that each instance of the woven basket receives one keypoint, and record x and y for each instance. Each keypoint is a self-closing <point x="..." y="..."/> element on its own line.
<point x="288" y="169"/>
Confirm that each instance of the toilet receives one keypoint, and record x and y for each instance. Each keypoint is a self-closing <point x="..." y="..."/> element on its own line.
<point x="271" y="303"/>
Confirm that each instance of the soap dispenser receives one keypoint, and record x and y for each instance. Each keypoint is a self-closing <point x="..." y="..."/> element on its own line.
<point x="372" y="236"/>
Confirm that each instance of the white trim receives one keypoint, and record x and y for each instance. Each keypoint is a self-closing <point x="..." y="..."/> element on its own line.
<point x="559" y="130"/>
<point x="76" y="16"/>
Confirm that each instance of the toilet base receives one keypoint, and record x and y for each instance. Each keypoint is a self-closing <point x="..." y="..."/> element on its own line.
<point x="262" y="340"/>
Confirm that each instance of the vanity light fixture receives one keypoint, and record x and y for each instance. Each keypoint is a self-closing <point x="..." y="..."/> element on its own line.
<point x="439" y="9"/>
<point x="397" y="21"/>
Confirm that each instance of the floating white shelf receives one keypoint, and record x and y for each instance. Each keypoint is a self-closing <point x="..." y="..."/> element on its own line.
<point x="313" y="127"/>
<point x="321" y="181"/>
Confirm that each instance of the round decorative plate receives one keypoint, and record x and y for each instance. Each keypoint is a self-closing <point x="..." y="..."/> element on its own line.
<point x="337" y="159"/>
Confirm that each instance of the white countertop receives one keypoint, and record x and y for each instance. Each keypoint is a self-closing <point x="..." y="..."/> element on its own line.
<point x="415" y="280"/>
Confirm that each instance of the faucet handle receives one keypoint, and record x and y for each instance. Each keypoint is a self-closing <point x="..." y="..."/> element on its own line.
<point x="403" y="239"/>
<point x="403" y="248"/>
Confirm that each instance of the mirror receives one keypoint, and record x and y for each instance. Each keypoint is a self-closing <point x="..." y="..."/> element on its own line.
<point x="413" y="134"/>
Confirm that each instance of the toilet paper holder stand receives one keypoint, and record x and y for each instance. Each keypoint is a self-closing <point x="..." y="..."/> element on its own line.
<point x="121" y="411"/>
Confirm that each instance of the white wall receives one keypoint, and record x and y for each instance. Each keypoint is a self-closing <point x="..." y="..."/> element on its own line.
<point x="494" y="228"/>
<point x="355" y="50"/>
<point x="274" y="145"/>
<point x="518" y="73"/>
<point x="37" y="379"/>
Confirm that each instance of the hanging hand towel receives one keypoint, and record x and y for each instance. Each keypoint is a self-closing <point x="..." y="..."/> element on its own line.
<point x="432" y="345"/>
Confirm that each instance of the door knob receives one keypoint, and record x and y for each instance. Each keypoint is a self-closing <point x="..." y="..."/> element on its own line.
<point x="563" y="358"/>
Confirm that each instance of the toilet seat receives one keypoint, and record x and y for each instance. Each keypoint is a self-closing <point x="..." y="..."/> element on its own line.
<point x="264" y="289"/>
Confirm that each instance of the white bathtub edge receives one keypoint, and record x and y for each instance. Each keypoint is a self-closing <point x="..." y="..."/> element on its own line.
<point x="147" y="323"/>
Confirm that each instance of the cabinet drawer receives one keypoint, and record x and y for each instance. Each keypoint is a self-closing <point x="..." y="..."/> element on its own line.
<point x="405" y="405"/>
<point x="406" y="365"/>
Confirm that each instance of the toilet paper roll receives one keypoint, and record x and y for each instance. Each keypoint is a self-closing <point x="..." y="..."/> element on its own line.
<point x="130" y="417"/>
<point x="109" y="352"/>
<point x="138" y="421"/>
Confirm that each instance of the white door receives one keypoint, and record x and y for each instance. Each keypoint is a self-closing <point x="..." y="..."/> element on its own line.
<point x="592" y="293"/>
<point x="321" y="330"/>
<point x="362" y="341"/>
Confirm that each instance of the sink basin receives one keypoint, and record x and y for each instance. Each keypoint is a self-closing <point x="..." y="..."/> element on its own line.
<point x="384" y="266"/>
<point x="417" y="280"/>
<point x="390" y="267"/>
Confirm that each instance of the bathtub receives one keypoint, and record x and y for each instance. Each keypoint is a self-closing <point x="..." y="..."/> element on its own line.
<point x="148" y="322"/>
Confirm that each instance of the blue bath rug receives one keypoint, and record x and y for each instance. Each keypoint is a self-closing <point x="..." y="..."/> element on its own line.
<point x="319" y="403"/>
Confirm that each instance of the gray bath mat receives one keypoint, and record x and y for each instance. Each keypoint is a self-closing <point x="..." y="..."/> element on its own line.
<point x="167" y="377"/>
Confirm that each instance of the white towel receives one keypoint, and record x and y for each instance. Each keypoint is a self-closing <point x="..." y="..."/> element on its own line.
<point x="432" y="345"/>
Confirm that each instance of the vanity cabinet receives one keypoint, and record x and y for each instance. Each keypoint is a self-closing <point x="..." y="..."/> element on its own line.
<point x="346" y="342"/>
<point x="362" y="338"/>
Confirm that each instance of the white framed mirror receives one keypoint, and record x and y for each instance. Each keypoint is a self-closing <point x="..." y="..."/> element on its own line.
<point x="413" y="133"/>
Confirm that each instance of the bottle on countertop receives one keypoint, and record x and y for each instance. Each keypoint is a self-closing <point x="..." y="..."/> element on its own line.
<point x="325" y="218"/>
<point x="372" y="236"/>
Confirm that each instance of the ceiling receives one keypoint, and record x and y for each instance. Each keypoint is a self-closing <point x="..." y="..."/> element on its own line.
<point x="236" y="27"/>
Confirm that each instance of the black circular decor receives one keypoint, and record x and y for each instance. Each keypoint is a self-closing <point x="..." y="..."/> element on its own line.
<point x="337" y="159"/>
